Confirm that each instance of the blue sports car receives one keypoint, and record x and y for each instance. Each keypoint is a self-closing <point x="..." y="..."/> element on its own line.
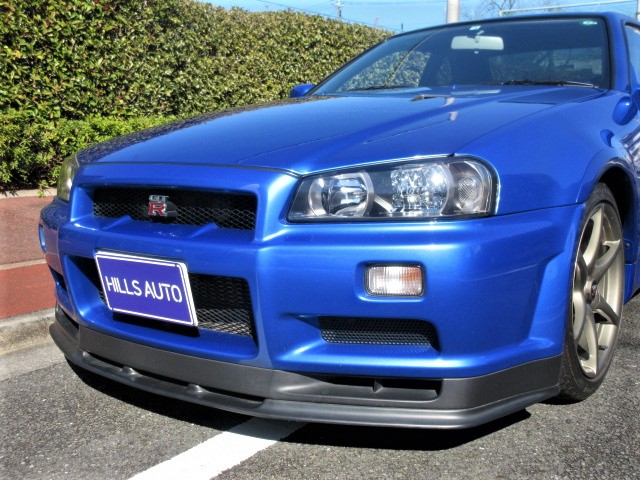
<point x="441" y="233"/>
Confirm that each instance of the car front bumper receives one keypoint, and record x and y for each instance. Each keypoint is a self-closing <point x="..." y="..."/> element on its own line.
<point x="446" y="403"/>
<point x="496" y="296"/>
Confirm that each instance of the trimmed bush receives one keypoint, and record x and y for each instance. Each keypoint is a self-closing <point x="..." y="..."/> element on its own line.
<point x="160" y="57"/>
<point x="78" y="59"/>
<point x="32" y="148"/>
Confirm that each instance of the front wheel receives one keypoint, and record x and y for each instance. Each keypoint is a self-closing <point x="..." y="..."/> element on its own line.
<point x="596" y="299"/>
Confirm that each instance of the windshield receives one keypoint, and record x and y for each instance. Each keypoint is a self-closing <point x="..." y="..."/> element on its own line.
<point x="560" y="51"/>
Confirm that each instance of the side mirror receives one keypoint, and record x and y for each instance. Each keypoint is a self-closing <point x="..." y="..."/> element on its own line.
<point x="301" y="90"/>
<point x="627" y="108"/>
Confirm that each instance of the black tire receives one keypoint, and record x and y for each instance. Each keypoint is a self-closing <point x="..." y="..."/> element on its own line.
<point x="595" y="305"/>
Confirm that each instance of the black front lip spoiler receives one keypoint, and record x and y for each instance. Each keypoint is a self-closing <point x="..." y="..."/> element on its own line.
<point x="459" y="403"/>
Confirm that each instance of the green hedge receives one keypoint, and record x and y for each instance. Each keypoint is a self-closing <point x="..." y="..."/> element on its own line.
<point x="160" y="57"/>
<point x="32" y="148"/>
<point x="91" y="60"/>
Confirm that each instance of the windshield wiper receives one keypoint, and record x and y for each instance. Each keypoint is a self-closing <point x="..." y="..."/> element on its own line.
<point x="381" y="87"/>
<point x="558" y="83"/>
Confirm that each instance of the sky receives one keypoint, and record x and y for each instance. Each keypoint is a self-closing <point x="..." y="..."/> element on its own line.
<point x="402" y="15"/>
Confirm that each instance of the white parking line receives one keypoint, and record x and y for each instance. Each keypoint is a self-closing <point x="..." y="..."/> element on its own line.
<point x="221" y="452"/>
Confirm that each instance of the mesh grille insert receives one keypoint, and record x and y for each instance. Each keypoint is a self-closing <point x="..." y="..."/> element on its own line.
<point x="227" y="210"/>
<point x="377" y="331"/>
<point x="223" y="304"/>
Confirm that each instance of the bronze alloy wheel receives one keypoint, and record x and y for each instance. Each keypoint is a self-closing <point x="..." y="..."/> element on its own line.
<point x="596" y="298"/>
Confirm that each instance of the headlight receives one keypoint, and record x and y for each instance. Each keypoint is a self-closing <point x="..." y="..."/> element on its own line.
<point x="434" y="188"/>
<point x="68" y="170"/>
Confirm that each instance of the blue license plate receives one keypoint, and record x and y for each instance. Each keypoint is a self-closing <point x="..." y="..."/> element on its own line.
<point x="147" y="287"/>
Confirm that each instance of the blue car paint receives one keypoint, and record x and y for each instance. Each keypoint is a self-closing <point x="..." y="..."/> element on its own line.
<point x="271" y="137"/>
<point x="307" y="271"/>
<point x="497" y="288"/>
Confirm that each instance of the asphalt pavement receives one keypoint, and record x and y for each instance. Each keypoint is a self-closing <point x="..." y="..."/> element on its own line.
<point x="26" y="286"/>
<point x="59" y="422"/>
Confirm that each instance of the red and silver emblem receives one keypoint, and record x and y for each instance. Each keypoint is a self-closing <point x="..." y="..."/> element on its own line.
<point x="160" y="206"/>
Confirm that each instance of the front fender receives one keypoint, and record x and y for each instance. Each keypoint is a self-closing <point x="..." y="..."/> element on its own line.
<point x="554" y="157"/>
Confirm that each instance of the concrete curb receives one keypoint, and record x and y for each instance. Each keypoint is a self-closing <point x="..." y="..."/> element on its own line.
<point x="25" y="331"/>
<point x="49" y="192"/>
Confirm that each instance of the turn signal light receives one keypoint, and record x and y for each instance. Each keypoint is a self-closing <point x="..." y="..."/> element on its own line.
<point x="395" y="280"/>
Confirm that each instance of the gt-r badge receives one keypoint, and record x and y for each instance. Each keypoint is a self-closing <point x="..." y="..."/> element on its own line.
<point x="160" y="206"/>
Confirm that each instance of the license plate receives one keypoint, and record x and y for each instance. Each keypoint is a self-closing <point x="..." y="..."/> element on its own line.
<point x="147" y="287"/>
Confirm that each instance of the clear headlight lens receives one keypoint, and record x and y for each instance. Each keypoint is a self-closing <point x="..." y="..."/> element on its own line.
<point x="344" y="195"/>
<point x="68" y="170"/>
<point x="430" y="189"/>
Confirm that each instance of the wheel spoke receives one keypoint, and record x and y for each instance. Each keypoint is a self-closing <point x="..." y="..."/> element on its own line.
<point x="589" y="344"/>
<point x="606" y="310"/>
<point x="593" y="245"/>
<point x="579" y="312"/>
<point x="603" y="263"/>
<point x="582" y="272"/>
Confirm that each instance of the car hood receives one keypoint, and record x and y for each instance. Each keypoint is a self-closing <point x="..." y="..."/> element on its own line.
<point x="326" y="132"/>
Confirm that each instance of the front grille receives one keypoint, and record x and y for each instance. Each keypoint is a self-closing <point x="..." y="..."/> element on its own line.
<point x="377" y="331"/>
<point x="193" y="207"/>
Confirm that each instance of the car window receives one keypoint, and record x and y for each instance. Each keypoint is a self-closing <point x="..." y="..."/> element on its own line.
<point x="633" y="40"/>
<point x="560" y="64"/>
<point x="498" y="52"/>
<point x="395" y="63"/>
<point x="397" y="70"/>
